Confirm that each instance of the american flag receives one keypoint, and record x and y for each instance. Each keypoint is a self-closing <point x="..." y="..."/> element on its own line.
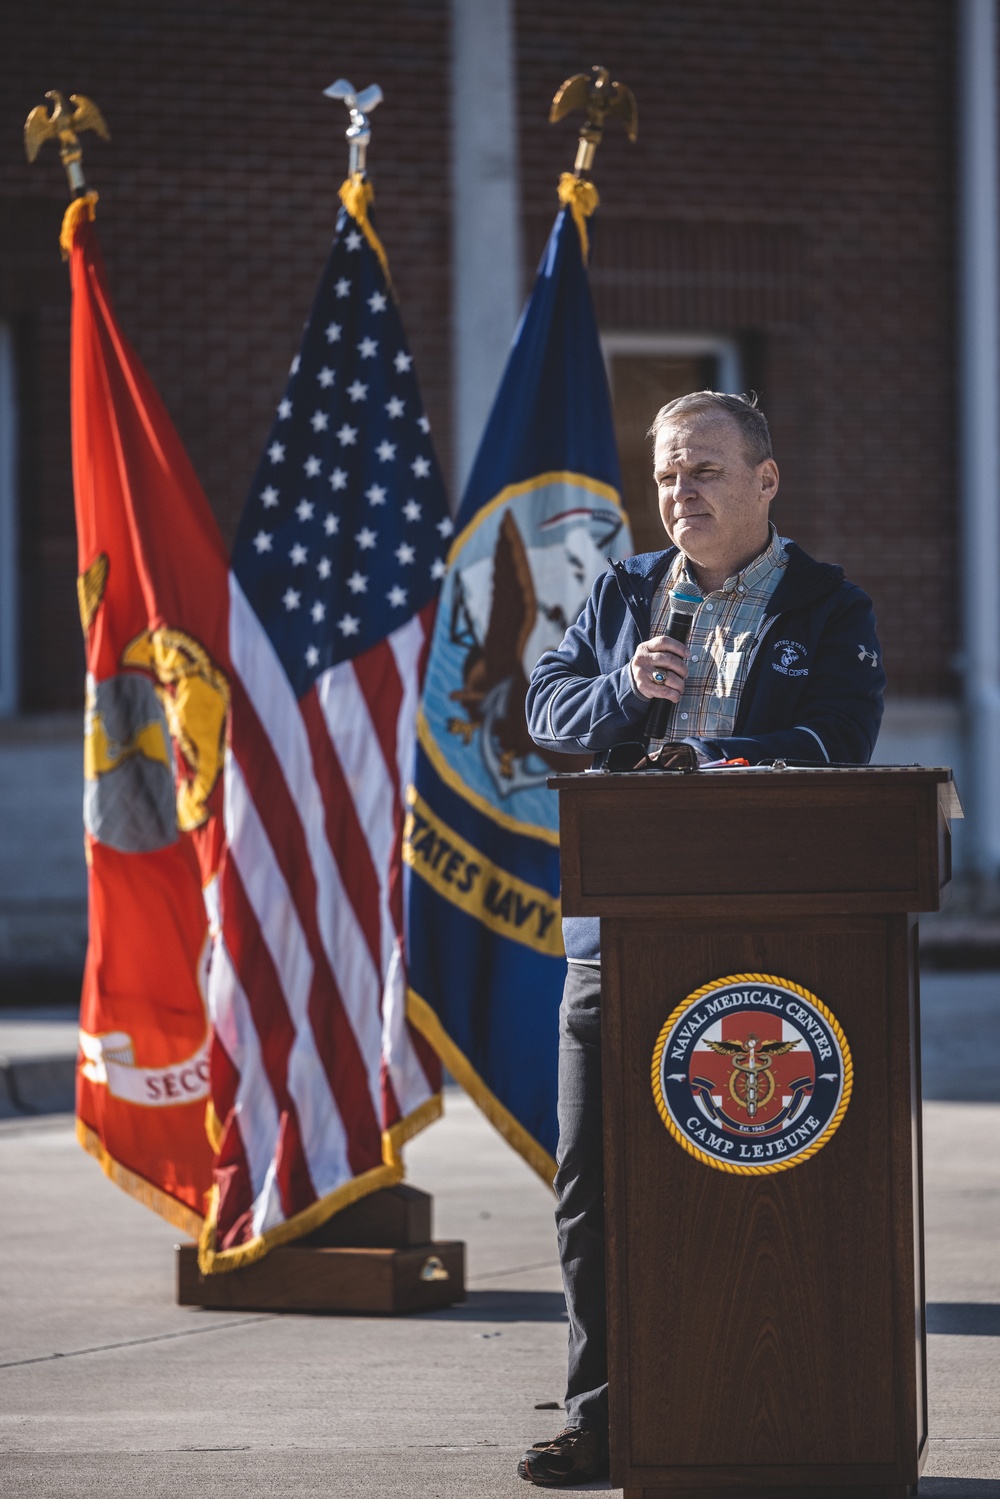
<point x="317" y="1077"/>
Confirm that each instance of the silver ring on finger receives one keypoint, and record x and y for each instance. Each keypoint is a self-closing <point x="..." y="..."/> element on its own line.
<point x="658" y="676"/>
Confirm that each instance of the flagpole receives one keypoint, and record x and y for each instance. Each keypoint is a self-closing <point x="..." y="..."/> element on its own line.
<point x="334" y="580"/>
<point x="153" y="595"/>
<point x="63" y="125"/>
<point x="540" y="513"/>
<point x="601" y="101"/>
<point x="359" y="132"/>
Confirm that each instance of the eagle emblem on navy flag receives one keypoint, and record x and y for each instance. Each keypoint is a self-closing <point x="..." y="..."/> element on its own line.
<point x="506" y="607"/>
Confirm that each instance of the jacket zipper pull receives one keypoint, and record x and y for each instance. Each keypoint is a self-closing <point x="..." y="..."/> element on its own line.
<point x="627" y="592"/>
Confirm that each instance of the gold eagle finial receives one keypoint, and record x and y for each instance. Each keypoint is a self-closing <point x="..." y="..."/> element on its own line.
<point x="601" y="100"/>
<point x="64" y="125"/>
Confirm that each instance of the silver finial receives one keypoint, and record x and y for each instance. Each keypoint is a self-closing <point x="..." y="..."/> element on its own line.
<point x="359" y="132"/>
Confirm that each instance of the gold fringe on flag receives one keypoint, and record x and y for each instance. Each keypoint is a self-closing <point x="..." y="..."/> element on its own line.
<point x="214" y="1261"/>
<point x="177" y="1213"/>
<point x="420" y="1014"/>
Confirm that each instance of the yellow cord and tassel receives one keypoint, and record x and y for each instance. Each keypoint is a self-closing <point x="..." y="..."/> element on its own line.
<point x="214" y="1128"/>
<point x="78" y="210"/>
<point x="580" y="197"/>
<point x="357" y="196"/>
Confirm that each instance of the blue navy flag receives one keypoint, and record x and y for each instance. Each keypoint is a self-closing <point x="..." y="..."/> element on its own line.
<point x="317" y="1076"/>
<point x="540" y="516"/>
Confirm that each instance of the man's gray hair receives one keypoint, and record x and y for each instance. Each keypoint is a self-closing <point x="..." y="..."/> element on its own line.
<point x="743" y="410"/>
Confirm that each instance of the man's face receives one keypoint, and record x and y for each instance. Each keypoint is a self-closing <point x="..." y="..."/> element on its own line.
<point x="713" y="503"/>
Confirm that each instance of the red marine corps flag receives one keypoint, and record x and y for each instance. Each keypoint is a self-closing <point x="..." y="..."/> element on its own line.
<point x="154" y="607"/>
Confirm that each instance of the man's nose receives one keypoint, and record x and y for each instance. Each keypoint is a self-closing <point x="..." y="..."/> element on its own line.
<point x="684" y="487"/>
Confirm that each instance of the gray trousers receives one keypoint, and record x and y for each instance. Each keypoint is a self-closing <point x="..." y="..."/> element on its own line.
<point x="580" y="1192"/>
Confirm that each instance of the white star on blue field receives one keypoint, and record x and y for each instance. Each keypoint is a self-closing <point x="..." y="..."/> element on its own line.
<point x="346" y="528"/>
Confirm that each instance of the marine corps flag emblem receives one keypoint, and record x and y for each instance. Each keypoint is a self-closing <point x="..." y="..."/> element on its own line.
<point x="154" y="608"/>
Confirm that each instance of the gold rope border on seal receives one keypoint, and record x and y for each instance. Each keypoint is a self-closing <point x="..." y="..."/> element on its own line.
<point x="771" y="1166"/>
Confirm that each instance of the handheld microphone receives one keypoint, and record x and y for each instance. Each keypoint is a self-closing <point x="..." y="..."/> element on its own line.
<point x="684" y="601"/>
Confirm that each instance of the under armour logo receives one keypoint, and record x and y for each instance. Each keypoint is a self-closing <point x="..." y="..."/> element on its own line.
<point x="864" y="655"/>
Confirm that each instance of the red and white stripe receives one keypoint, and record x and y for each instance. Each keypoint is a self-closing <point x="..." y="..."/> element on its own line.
<point x="313" y="1057"/>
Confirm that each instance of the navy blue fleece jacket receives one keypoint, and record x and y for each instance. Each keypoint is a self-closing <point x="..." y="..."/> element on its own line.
<point x="813" y="691"/>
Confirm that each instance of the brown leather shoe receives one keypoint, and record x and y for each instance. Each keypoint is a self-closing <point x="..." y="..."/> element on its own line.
<point x="574" y="1456"/>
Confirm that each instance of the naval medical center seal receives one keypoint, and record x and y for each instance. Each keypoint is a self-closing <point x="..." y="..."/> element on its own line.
<point x="752" y="1074"/>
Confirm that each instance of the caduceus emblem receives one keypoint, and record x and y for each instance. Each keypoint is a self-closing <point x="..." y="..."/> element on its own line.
<point x="751" y="1082"/>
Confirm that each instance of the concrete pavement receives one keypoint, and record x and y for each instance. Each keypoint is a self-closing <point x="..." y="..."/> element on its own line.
<point x="960" y="1035"/>
<point x="37" y="1061"/>
<point x="106" y="1387"/>
<point x="43" y="875"/>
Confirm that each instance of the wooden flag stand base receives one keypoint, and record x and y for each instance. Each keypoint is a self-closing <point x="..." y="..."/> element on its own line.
<point x="376" y="1257"/>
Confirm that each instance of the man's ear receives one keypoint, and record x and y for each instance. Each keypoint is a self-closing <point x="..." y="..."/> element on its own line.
<point x="769" y="478"/>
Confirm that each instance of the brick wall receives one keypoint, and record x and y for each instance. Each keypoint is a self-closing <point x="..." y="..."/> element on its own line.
<point x="218" y="201"/>
<point x="792" y="186"/>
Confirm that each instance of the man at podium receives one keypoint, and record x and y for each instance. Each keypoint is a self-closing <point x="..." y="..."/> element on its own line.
<point x="782" y="661"/>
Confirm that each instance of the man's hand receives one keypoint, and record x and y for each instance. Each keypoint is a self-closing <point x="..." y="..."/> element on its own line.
<point x="660" y="658"/>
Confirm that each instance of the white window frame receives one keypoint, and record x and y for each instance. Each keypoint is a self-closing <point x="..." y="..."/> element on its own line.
<point x="690" y="345"/>
<point x="9" y="560"/>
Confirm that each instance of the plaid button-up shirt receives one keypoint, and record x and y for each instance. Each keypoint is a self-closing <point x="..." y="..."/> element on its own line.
<point x="725" y="627"/>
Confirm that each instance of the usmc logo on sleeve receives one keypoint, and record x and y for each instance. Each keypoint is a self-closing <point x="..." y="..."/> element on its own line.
<point x="752" y="1074"/>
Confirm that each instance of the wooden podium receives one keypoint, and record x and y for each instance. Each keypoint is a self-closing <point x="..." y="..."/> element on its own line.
<point x="765" y="1281"/>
